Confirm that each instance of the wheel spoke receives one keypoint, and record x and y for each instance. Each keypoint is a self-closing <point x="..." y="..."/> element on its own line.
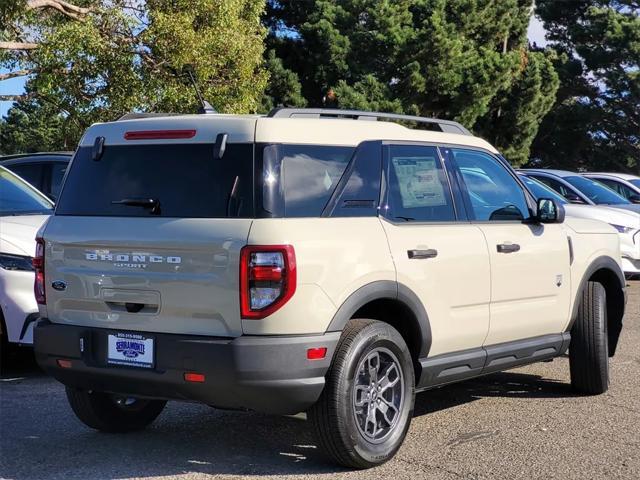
<point x="386" y="381"/>
<point x="385" y="408"/>
<point x="371" y="420"/>
<point x="373" y="363"/>
<point x="361" y="395"/>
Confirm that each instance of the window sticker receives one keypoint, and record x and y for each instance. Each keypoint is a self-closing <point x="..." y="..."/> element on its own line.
<point x="419" y="182"/>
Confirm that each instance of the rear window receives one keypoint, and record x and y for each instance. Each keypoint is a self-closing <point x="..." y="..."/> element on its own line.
<point x="182" y="180"/>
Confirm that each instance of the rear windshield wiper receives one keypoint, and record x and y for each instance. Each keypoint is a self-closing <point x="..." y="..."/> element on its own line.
<point x="150" y="203"/>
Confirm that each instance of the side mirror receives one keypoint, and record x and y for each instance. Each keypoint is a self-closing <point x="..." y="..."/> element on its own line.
<point x="548" y="211"/>
<point x="634" y="198"/>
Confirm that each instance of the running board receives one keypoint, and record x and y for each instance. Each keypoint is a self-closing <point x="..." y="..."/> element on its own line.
<point x="453" y="367"/>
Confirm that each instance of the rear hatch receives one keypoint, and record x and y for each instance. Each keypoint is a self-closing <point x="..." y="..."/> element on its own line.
<point x="147" y="233"/>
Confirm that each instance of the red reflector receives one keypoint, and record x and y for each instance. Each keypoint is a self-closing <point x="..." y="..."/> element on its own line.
<point x="265" y="274"/>
<point x="316" y="353"/>
<point x="63" y="363"/>
<point x="194" y="377"/>
<point x="158" y="134"/>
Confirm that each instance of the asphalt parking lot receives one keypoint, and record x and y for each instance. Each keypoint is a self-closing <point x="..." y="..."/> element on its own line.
<point x="525" y="423"/>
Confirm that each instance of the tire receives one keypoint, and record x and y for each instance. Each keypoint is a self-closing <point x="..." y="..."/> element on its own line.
<point x="339" y="418"/>
<point x="112" y="413"/>
<point x="589" y="348"/>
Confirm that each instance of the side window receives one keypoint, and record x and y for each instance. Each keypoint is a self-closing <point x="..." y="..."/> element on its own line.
<point x="418" y="188"/>
<point x="298" y="180"/>
<point x="558" y="187"/>
<point x="494" y="194"/>
<point x="31" y="172"/>
<point x="617" y="187"/>
<point x="57" y="174"/>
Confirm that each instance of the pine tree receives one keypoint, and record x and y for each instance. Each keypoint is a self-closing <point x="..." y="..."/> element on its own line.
<point x="595" y="124"/>
<point x="467" y="60"/>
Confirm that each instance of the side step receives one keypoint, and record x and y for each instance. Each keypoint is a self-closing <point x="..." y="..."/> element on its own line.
<point x="453" y="367"/>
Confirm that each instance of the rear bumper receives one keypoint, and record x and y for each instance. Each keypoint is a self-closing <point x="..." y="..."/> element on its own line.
<point x="268" y="374"/>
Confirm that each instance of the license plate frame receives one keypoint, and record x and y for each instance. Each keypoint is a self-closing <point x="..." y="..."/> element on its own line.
<point x="129" y="349"/>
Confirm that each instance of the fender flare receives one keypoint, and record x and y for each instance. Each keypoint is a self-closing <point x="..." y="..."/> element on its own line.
<point x="381" y="290"/>
<point x="600" y="263"/>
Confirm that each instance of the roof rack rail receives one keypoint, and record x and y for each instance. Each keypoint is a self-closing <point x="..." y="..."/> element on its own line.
<point x="447" y="126"/>
<point x="134" y="115"/>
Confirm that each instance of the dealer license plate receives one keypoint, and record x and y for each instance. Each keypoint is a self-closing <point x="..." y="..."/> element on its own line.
<point x="130" y="349"/>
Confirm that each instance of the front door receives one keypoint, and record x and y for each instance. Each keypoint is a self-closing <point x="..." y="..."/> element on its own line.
<point x="530" y="263"/>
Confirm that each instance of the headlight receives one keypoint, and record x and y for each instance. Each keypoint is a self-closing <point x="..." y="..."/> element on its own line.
<point x="15" y="262"/>
<point x="622" y="229"/>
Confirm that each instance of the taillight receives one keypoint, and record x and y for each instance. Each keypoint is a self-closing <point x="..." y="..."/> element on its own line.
<point x="267" y="279"/>
<point x="38" y="265"/>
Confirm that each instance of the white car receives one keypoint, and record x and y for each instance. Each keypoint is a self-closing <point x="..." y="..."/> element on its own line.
<point x="622" y="183"/>
<point x="626" y="222"/>
<point x="23" y="210"/>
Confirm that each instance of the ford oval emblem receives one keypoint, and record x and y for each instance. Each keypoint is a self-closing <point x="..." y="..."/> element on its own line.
<point x="59" y="285"/>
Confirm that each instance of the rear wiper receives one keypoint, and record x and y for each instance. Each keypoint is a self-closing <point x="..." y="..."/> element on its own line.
<point x="150" y="203"/>
<point x="406" y="219"/>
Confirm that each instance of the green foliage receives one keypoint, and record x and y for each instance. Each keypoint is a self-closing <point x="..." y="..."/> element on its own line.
<point x="128" y="55"/>
<point x="466" y="60"/>
<point x="31" y="127"/>
<point x="283" y="85"/>
<point x="596" y="122"/>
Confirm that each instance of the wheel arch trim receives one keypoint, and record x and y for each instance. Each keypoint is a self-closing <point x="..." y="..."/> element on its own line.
<point x="385" y="290"/>
<point x="608" y="264"/>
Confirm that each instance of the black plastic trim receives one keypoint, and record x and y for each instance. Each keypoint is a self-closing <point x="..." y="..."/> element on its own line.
<point x="28" y="321"/>
<point x="462" y="365"/>
<point x="380" y="290"/>
<point x="599" y="263"/>
<point x="269" y="374"/>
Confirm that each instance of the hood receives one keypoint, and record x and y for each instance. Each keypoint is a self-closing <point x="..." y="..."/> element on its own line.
<point x="18" y="233"/>
<point x="610" y="215"/>
<point x="633" y="207"/>
<point x="588" y="226"/>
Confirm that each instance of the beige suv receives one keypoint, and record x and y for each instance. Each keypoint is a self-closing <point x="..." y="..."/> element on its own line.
<point x="327" y="261"/>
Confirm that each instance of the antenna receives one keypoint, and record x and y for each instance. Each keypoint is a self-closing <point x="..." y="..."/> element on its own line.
<point x="205" y="107"/>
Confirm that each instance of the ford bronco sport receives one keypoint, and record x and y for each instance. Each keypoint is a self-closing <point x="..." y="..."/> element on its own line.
<point x="333" y="262"/>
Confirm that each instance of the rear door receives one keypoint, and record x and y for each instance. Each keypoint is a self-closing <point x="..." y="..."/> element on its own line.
<point x="147" y="237"/>
<point x="530" y="263"/>
<point x="438" y="255"/>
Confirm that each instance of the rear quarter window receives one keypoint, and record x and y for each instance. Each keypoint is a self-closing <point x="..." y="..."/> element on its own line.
<point x="185" y="179"/>
<point x="298" y="180"/>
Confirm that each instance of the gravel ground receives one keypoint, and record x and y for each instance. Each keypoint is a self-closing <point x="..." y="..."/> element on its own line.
<point x="525" y="423"/>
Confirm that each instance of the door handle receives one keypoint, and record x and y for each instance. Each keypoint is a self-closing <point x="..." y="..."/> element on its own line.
<point x="508" y="247"/>
<point x="421" y="254"/>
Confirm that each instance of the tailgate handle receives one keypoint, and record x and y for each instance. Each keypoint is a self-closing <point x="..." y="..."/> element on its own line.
<point x="133" y="307"/>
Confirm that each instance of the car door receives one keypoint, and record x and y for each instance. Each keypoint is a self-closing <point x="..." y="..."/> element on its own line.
<point x="530" y="269"/>
<point x="437" y="253"/>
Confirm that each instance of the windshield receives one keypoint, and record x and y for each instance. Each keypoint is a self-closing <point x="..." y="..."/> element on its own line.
<point x="540" y="190"/>
<point x="597" y="192"/>
<point x="636" y="182"/>
<point x="19" y="198"/>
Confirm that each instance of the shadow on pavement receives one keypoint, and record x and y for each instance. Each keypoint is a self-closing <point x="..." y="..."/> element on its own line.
<point x="188" y="438"/>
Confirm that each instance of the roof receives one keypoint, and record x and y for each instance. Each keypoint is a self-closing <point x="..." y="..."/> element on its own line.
<point x="17" y="156"/>
<point x="276" y="129"/>
<point x="557" y="173"/>
<point x="623" y="176"/>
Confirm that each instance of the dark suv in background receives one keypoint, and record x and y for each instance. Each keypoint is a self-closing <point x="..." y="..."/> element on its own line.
<point x="44" y="171"/>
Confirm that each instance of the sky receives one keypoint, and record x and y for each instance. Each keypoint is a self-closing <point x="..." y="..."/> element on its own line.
<point x="16" y="85"/>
